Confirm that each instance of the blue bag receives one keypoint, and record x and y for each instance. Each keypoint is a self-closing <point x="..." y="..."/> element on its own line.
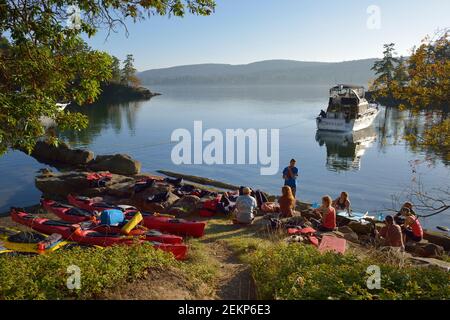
<point x="112" y="217"/>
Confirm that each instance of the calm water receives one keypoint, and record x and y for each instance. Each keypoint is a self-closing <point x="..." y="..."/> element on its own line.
<point x="373" y="165"/>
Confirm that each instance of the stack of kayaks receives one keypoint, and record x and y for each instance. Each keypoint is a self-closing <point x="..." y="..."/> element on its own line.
<point x="87" y="220"/>
<point x="90" y="233"/>
<point x="12" y="240"/>
<point x="152" y="221"/>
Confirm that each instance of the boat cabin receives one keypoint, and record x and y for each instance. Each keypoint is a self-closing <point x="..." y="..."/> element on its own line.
<point x="346" y="101"/>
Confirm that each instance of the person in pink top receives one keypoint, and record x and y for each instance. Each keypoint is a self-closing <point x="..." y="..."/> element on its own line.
<point x="327" y="215"/>
<point x="412" y="229"/>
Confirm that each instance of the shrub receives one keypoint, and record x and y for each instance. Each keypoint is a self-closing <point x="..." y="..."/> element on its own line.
<point x="297" y="271"/>
<point x="45" y="276"/>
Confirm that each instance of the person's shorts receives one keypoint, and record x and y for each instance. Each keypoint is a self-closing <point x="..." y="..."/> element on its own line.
<point x="411" y="236"/>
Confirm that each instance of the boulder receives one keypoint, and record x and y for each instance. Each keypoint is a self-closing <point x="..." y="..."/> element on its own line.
<point x="61" y="154"/>
<point x="118" y="163"/>
<point x="438" y="238"/>
<point x="360" y="228"/>
<point x="185" y="205"/>
<point x="425" y="249"/>
<point x="431" y="262"/>
<point x="349" y="234"/>
<point x="59" y="185"/>
<point x="140" y="199"/>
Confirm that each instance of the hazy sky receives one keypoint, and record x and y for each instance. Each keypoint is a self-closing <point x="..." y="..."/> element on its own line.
<point x="243" y="31"/>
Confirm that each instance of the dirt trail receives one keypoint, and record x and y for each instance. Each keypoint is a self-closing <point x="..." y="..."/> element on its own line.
<point x="235" y="281"/>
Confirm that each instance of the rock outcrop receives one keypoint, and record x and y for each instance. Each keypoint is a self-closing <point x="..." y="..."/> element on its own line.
<point x="61" y="154"/>
<point x="425" y="249"/>
<point x="360" y="228"/>
<point x="59" y="185"/>
<point x="185" y="205"/>
<point x="118" y="163"/>
<point x="142" y="199"/>
<point x="438" y="238"/>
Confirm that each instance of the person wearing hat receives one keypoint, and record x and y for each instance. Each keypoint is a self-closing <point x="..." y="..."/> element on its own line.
<point x="245" y="207"/>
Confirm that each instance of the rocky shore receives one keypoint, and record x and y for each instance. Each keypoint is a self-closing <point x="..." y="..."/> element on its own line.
<point x="119" y="188"/>
<point x="116" y="92"/>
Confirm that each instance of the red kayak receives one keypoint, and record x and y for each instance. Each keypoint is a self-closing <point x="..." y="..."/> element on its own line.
<point x="169" y="224"/>
<point x="66" y="212"/>
<point x="77" y="215"/>
<point x="76" y="233"/>
<point x="92" y="204"/>
<point x="163" y="223"/>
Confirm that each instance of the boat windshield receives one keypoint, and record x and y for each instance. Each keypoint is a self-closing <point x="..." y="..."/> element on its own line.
<point x="346" y="91"/>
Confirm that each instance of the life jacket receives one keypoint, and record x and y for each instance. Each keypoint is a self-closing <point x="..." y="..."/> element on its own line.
<point x="209" y="207"/>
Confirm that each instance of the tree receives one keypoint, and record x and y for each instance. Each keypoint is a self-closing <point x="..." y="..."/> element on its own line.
<point x="424" y="85"/>
<point x="45" y="60"/>
<point x="128" y="74"/>
<point x="385" y="70"/>
<point x="401" y="73"/>
<point x="115" y="70"/>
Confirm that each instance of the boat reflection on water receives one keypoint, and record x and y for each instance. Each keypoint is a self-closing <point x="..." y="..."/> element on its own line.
<point x="345" y="149"/>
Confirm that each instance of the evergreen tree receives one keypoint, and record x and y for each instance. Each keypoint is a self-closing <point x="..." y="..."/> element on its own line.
<point x="385" y="69"/>
<point x="129" y="72"/>
<point x="115" y="70"/>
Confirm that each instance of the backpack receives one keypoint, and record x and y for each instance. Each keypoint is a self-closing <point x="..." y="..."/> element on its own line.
<point x="111" y="217"/>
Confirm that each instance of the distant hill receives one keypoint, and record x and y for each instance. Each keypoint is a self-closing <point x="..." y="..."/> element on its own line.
<point x="263" y="72"/>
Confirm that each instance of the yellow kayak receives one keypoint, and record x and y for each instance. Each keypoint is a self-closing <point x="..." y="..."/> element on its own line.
<point x="12" y="240"/>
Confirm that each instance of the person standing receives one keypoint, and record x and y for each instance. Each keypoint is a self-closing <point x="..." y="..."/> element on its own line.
<point x="290" y="174"/>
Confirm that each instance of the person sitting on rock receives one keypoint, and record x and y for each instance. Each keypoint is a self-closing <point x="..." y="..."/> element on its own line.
<point x="245" y="207"/>
<point x="391" y="234"/>
<point x="286" y="202"/>
<point x="342" y="203"/>
<point x="412" y="229"/>
<point x="327" y="215"/>
<point x="399" y="219"/>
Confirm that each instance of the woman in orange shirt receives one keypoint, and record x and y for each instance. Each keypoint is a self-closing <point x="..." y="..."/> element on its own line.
<point x="327" y="215"/>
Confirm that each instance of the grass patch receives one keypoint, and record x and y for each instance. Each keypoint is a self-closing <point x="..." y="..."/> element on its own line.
<point x="200" y="267"/>
<point x="45" y="276"/>
<point x="295" y="271"/>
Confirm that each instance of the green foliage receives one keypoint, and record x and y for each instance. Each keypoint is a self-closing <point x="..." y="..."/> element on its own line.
<point x="297" y="271"/>
<point x="422" y="83"/>
<point x="45" y="276"/>
<point x="43" y="59"/>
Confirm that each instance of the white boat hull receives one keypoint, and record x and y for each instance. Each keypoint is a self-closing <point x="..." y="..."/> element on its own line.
<point x="342" y="125"/>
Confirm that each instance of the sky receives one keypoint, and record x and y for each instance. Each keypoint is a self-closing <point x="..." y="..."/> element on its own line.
<point x="244" y="31"/>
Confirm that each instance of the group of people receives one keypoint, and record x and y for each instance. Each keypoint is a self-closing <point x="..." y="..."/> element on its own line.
<point x="246" y="205"/>
<point x="404" y="226"/>
<point x="401" y="228"/>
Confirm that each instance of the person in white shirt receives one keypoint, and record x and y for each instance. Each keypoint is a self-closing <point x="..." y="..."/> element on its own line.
<point x="245" y="207"/>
